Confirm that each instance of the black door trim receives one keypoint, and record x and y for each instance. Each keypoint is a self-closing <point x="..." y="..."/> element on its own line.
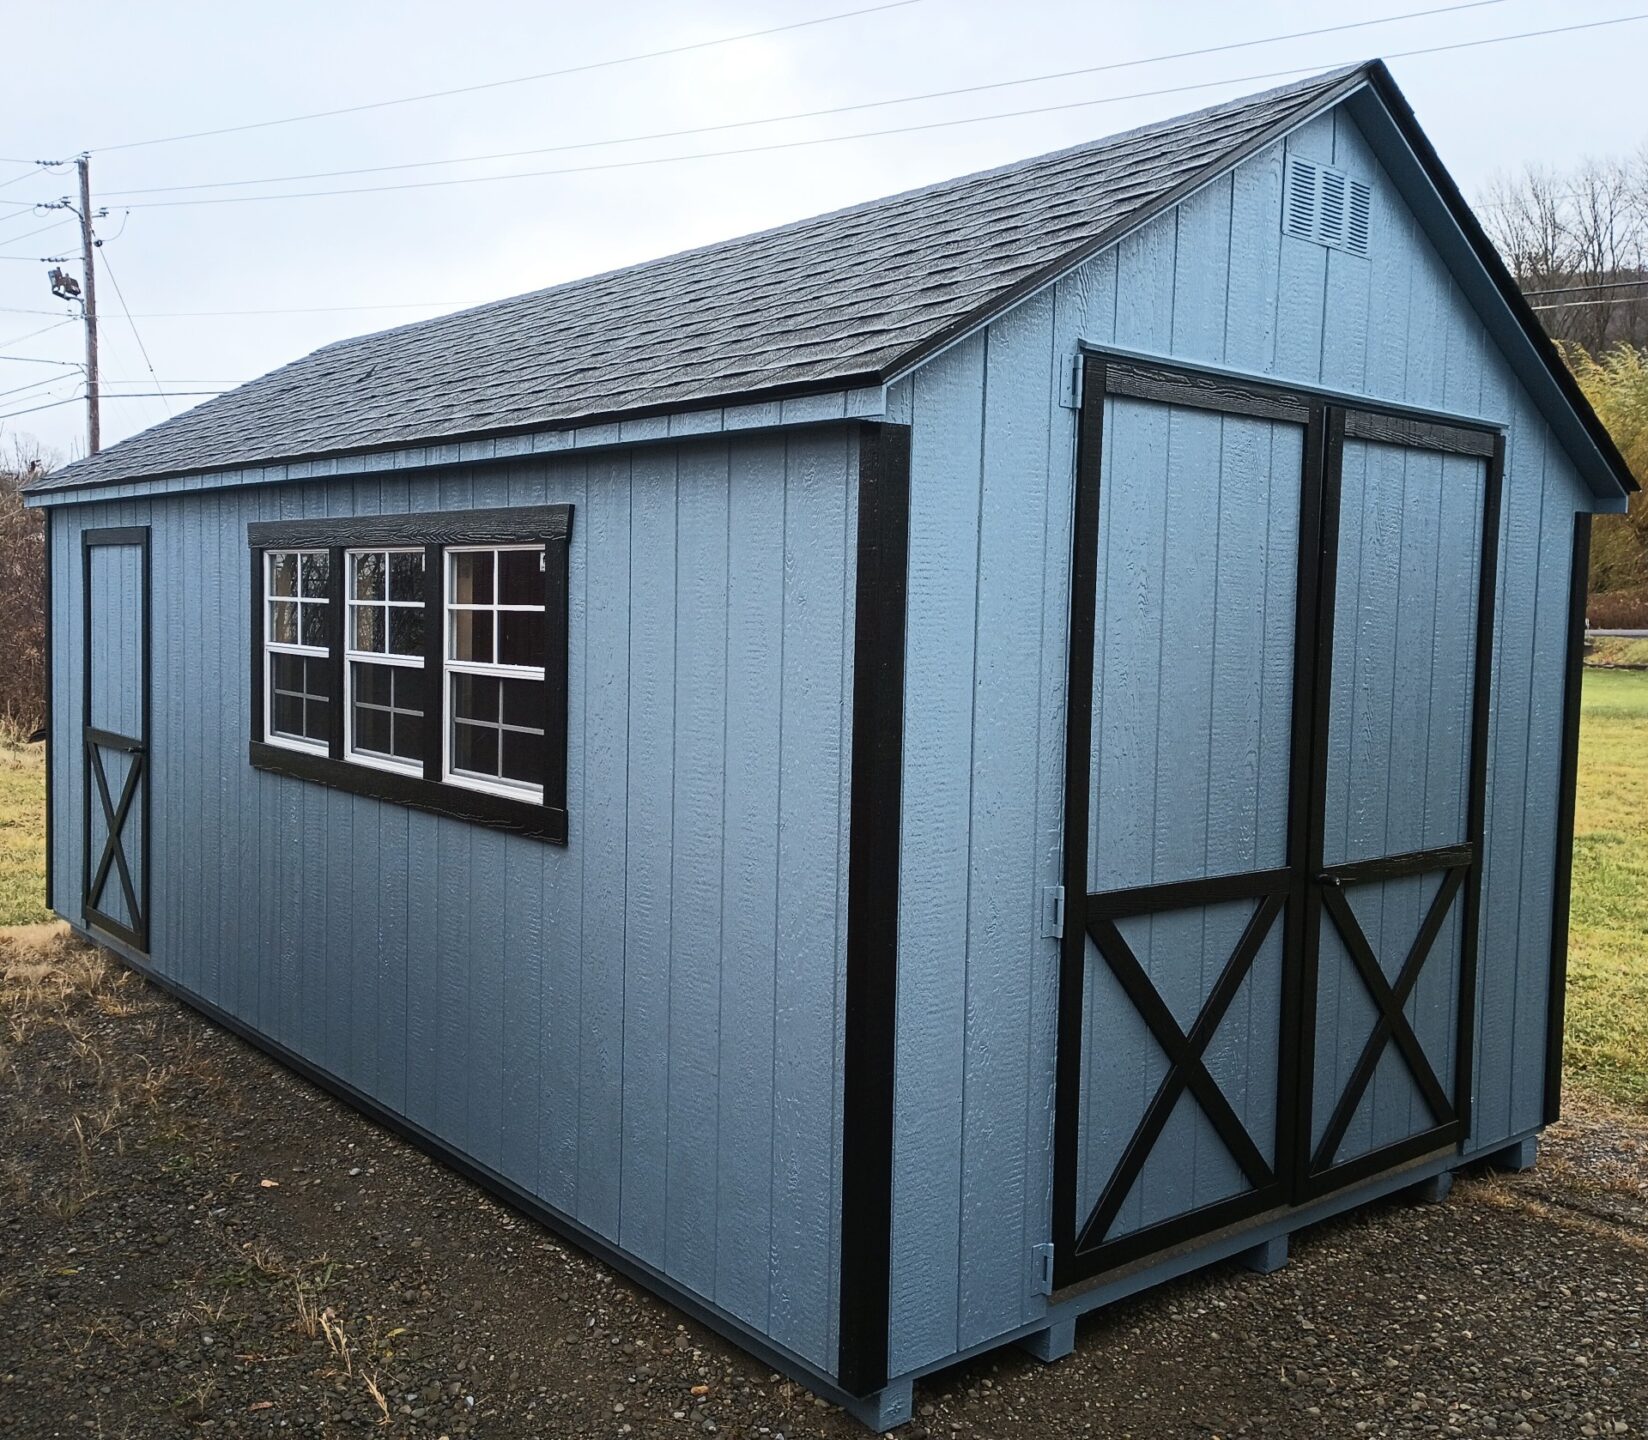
<point x="134" y="795"/>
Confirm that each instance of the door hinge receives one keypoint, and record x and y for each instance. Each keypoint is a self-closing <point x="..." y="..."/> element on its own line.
<point x="1052" y="911"/>
<point x="1041" y="1268"/>
<point x="1071" y="398"/>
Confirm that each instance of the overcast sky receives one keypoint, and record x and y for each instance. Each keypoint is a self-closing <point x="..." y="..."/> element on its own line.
<point x="102" y="76"/>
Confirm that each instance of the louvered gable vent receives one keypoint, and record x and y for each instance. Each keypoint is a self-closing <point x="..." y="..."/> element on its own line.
<point x="1326" y="206"/>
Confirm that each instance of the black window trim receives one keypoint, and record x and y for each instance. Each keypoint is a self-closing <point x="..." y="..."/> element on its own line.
<point x="548" y="525"/>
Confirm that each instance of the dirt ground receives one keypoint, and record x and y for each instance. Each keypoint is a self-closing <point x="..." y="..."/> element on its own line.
<point x="193" y="1240"/>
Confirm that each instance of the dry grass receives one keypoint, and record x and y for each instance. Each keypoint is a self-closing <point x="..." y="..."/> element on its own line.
<point x="22" y="832"/>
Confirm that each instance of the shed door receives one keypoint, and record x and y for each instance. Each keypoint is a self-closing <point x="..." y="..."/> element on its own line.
<point x="1273" y="807"/>
<point x="115" y="712"/>
<point x="1411" y="524"/>
<point x="1183" y="845"/>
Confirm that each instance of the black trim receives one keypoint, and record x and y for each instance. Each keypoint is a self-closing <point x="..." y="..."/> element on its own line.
<point x="1395" y="867"/>
<point x="1384" y="428"/>
<point x="1179" y="894"/>
<point x="134" y="792"/>
<point x="549" y="525"/>
<point x="48" y="662"/>
<point x="872" y="904"/>
<point x="1476" y="813"/>
<point x="1579" y="577"/>
<point x="521" y="817"/>
<point x="509" y="525"/>
<point x="1204" y="390"/>
<point x="1078" y="760"/>
<point x="599" y="1248"/>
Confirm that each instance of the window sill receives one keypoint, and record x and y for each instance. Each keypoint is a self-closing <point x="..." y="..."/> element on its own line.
<point x="521" y="817"/>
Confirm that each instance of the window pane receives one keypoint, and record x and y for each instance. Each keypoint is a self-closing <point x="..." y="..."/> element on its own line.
<point x="313" y="574"/>
<point x="283" y="573"/>
<point x="521" y="637"/>
<point x="317" y="719"/>
<point x="407" y="687"/>
<point x="368" y="628"/>
<point x="369" y="577"/>
<point x="405" y="631"/>
<point x="317" y="676"/>
<point x="406" y="575"/>
<point x="472" y="577"/>
<point x="372" y="729"/>
<point x="474" y="748"/>
<point x="520" y="577"/>
<point x="314" y="624"/>
<point x="523" y="702"/>
<point x="283" y="622"/>
<point x="408" y="744"/>
<point x="523" y="757"/>
<point x="286" y="672"/>
<point x="472" y="635"/>
<point x="372" y="684"/>
<point x="286" y="714"/>
<point x="475" y="697"/>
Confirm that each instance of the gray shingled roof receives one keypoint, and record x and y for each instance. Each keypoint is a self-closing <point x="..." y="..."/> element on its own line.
<point x="847" y="298"/>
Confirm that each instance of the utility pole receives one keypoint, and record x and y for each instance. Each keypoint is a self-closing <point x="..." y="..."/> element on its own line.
<point x="94" y="438"/>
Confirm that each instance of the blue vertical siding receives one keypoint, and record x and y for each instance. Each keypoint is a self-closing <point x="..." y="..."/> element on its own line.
<point x="1214" y="282"/>
<point x="643" y="1027"/>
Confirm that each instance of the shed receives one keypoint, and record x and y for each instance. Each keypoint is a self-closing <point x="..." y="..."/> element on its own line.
<point x="899" y="778"/>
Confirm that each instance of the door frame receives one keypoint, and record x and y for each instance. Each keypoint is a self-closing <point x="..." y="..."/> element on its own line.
<point x="140" y="777"/>
<point x="1327" y="419"/>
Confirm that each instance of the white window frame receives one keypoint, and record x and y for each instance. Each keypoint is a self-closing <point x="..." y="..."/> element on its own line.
<point x="392" y="763"/>
<point x="272" y="647"/>
<point x="492" y="785"/>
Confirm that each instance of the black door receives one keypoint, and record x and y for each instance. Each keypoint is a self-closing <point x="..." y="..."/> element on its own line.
<point x="1230" y="877"/>
<point x="115" y="727"/>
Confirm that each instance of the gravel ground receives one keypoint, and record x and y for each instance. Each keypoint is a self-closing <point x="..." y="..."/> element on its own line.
<point x="193" y="1240"/>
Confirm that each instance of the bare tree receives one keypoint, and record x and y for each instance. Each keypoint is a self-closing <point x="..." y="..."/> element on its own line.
<point x="1576" y="241"/>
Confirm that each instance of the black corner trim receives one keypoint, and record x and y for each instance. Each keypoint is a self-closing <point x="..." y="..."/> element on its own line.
<point x="515" y="523"/>
<point x="872" y="904"/>
<point x="1573" y="681"/>
<point x="522" y="817"/>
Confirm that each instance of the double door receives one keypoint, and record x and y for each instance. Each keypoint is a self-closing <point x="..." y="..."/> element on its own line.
<point x="1280" y="644"/>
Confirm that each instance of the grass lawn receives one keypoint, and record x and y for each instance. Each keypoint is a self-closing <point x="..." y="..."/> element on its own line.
<point x="1607" y="1043"/>
<point x="22" y="834"/>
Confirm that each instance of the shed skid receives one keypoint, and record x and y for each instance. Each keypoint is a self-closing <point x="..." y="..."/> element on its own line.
<point x="1059" y="777"/>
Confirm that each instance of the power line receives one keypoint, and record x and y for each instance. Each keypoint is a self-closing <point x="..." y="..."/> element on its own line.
<point x="814" y="114"/>
<point x="43" y="330"/>
<point x="35" y="385"/>
<point x="41" y="360"/>
<point x="1580" y="289"/>
<point x="519" y="79"/>
<point x="51" y="405"/>
<point x="1570" y="304"/>
<point x="876" y="134"/>
<point x="14" y="239"/>
<point x="142" y="348"/>
<point x="279" y="310"/>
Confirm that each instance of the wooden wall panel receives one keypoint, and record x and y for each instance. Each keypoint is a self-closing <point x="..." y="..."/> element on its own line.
<point x="642" y="1027"/>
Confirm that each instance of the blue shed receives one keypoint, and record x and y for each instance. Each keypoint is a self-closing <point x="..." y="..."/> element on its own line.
<point x="899" y="778"/>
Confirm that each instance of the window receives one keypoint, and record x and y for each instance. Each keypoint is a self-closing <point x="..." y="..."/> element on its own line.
<point x="297" y="588"/>
<point x="383" y="648"/>
<point x="420" y="659"/>
<point x="494" y="667"/>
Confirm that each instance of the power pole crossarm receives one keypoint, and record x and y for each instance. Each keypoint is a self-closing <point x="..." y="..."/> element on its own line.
<point x="89" y="305"/>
